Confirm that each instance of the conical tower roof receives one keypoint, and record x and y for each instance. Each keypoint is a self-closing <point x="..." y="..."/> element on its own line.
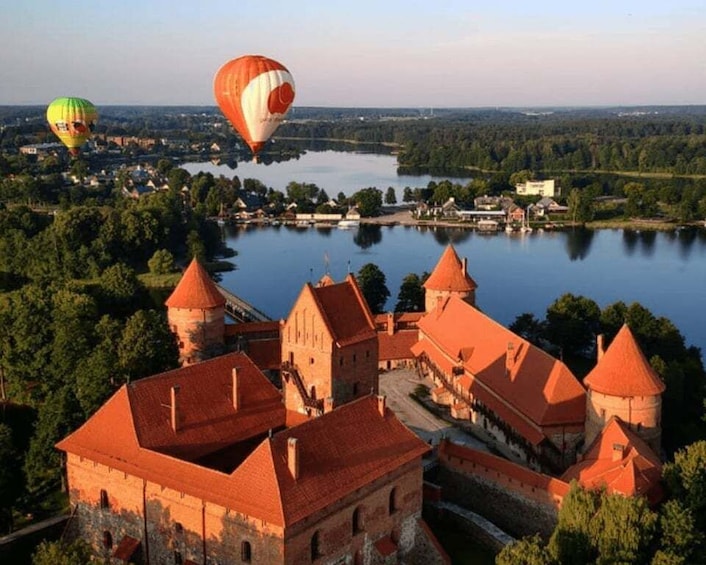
<point x="623" y="370"/>
<point x="195" y="290"/>
<point x="450" y="274"/>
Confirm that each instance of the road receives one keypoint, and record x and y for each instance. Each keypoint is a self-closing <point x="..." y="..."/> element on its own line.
<point x="396" y="386"/>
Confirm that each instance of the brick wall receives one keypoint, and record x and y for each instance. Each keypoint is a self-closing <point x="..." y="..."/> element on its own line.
<point x="519" y="500"/>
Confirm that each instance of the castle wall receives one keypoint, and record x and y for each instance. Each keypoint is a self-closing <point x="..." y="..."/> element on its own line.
<point x="171" y="523"/>
<point x="518" y="500"/>
<point x="642" y="413"/>
<point x="197" y="330"/>
<point x="432" y="297"/>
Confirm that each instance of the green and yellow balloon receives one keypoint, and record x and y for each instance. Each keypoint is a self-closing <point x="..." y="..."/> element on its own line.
<point x="72" y="120"/>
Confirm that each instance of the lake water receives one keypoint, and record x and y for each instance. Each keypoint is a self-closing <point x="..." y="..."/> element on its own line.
<point x="333" y="171"/>
<point x="664" y="271"/>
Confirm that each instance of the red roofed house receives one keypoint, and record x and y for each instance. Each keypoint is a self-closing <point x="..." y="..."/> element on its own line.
<point x="196" y="314"/>
<point x="329" y="347"/>
<point x="397" y="334"/>
<point x="196" y="465"/>
<point x="623" y="384"/>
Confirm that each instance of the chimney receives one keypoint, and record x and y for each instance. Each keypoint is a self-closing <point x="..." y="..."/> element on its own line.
<point x="328" y="404"/>
<point x="390" y="323"/>
<point x="439" y="299"/>
<point x="293" y="457"/>
<point x="236" y="390"/>
<point x="599" y="347"/>
<point x="381" y="405"/>
<point x="509" y="358"/>
<point x="618" y="451"/>
<point x="175" y="414"/>
<point x="464" y="266"/>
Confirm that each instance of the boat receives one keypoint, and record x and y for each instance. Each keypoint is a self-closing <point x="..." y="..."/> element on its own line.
<point x="348" y="224"/>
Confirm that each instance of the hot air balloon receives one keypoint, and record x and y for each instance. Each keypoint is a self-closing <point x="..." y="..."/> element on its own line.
<point x="72" y="120"/>
<point x="254" y="93"/>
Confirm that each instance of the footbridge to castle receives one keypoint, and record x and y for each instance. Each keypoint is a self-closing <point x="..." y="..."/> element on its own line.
<point x="240" y="310"/>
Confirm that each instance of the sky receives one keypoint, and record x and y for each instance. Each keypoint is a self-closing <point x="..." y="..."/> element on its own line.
<point x="360" y="53"/>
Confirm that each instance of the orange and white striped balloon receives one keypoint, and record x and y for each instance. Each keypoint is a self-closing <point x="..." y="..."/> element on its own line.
<point x="254" y="93"/>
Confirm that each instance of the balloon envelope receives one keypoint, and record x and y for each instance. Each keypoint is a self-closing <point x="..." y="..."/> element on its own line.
<point x="72" y="120"/>
<point x="254" y="93"/>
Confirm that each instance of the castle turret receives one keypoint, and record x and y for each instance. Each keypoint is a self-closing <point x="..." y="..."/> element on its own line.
<point x="196" y="314"/>
<point x="449" y="277"/>
<point x="623" y="384"/>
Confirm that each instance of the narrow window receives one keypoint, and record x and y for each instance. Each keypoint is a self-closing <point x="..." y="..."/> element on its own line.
<point x="340" y="361"/>
<point x="603" y="414"/>
<point x="104" y="499"/>
<point x="311" y="360"/>
<point x="355" y="389"/>
<point x="357" y="521"/>
<point x="392" y="502"/>
<point x="315" y="548"/>
<point x="245" y="552"/>
<point x="177" y="558"/>
<point x="367" y="354"/>
<point x="107" y="539"/>
<point x="354" y="356"/>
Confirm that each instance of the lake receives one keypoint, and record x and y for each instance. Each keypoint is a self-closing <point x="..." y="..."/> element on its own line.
<point x="664" y="271"/>
<point x="333" y="171"/>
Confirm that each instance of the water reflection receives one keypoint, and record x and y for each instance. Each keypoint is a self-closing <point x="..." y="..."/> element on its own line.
<point x="647" y="241"/>
<point x="444" y="236"/>
<point x="367" y="235"/>
<point x="578" y="243"/>
<point x="630" y="241"/>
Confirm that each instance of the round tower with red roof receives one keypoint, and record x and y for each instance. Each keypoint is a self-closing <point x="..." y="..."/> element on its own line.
<point x="623" y="384"/>
<point x="196" y="314"/>
<point x="449" y="278"/>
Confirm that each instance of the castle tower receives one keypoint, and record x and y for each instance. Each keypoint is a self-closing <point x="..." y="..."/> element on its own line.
<point x="449" y="277"/>
<point x="196" y="314"/>
<point x="329" y="347"/>
<point x="623" y="384"/>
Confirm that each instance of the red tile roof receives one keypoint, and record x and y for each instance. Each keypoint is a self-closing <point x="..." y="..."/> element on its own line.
<point x="207" y="420"/>
<point x="195" y="290"/>
<point x="449" y="274"/>
<point x="623" y="370"/>
<point x="340" y="452"/>
<point x="344" y="311"/>
<point x="536" y="390"/>
<point x="396" y="346"/>
<point x="636" y="471"/>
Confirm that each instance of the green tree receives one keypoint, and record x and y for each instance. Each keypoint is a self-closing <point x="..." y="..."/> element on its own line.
<point x="177" y="178"/>
<point x="371" y="281"/>
<point x="390" y="196"/>
<point x="572" y="539"/>
<point x="686" y="480"/>
<point x="529" y="327"/>
<point x="525" y="551"/>
<point x="411" y="294"/>
<point x="368" y="201"/>
<point x="120" y="289"/>
<point x="407" y="195"/>
<point x="77" y="552"/>
<point x="161" y="263"/>
<point x="580" y="206"/>
<point x="680" y="536"/>
<point x="572" y="322"/>
<point x="11" y="482"/>
<point x="146" y="346"/>
<point x="57" y="417"/>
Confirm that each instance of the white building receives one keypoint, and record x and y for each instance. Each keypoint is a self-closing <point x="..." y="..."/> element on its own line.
<point x="537" y="188"/>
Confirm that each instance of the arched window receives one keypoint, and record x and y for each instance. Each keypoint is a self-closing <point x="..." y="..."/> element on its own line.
<point x="104" y="499"/>
<point x="392" y="502"/>
<point x="315" y="547"/>
<point x="107" y="540"/>
<point x="245" y="552"/>
<point x="357" y="521"/>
